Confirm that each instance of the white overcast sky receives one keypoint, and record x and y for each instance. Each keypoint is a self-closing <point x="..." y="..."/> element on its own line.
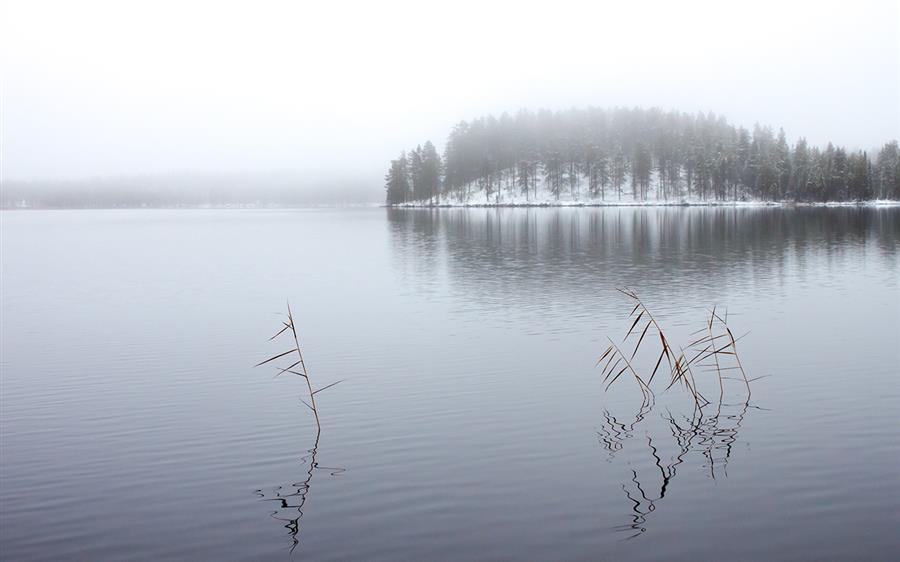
<point x="336" y="89"/>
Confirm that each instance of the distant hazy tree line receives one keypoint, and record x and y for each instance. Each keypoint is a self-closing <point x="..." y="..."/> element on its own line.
<point x="179" y="191"/>
<point x="640" y="153"/>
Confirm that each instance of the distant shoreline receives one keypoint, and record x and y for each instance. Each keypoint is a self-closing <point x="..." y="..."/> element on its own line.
<point x="230" y="207"/>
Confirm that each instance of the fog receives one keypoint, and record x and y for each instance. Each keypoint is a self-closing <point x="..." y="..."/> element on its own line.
<point x="328" y="93"/>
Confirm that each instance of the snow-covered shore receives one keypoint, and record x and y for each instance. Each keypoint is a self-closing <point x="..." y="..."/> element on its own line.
<point x="650" y="203"/>
<point x="512" y="196"/>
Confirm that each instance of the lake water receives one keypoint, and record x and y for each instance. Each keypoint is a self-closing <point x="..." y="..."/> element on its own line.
<point x="473" y="423"/>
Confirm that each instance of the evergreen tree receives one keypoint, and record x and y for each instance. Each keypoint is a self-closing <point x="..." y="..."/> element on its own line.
<point x="887" y="171"/>
<point x="799" y="187"/>
<point x="419" y="191"/>
<point x="523" y="176"/>
<point x="782" y="165"/>
<point x="859" y="183"/>
<point x="397" y="181"/>
<point x="430" y="172"/>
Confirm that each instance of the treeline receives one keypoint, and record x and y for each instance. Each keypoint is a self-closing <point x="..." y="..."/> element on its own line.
<point x="638" y="154"/>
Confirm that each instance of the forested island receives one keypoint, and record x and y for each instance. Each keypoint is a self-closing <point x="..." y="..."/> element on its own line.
<point x="635" y="155"/>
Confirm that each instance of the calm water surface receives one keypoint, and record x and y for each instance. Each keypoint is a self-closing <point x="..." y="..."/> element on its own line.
<point x="473" y="424"/>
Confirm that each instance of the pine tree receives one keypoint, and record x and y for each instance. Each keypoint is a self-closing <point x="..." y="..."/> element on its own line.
<point x="419" y="192"/>
<point x="887" y="171"/>
<point x="523" y="176"/>
<point x="782" y="165"/>
<point x="430" y="172"/>
<point x="799" y="186"/>
<point x="397" y="181"/>
<point x="553" y="173"/>
<point x="619" y="170"/>
<point x="859" y="182"/>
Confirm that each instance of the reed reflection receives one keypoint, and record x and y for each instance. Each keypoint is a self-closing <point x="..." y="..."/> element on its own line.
<point x="708" y="435"/>
<point x="291" y="498"/>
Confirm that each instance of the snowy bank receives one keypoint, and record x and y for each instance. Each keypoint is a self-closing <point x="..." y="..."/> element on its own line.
<point x="539" y="195"/>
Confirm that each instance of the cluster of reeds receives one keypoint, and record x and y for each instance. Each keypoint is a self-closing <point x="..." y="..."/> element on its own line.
<point x="295" y="354"/>
<point x="700" y="367"/>
<point x="714" y="351"/>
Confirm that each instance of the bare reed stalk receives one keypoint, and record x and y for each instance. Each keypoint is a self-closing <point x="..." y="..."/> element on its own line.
<point x="733" y="343"/>
<point x="687" y="378"/>
<point x="303" y="372"/>
<point x="665" y="349"/>
<point x="720" y="344"/>
<point x="716" y="355"/>
<point x="612" y="352"/>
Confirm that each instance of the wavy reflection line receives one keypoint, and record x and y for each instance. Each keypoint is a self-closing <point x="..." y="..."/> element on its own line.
<point x="614" y="433"/>
<point x="291" y="499"/>
<point x="709" y="436"/>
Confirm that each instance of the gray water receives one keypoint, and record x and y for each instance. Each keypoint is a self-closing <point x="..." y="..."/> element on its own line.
<point x="473" y="423"/>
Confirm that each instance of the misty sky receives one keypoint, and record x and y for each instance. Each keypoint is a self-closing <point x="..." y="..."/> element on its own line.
<point x="337" y="89"/>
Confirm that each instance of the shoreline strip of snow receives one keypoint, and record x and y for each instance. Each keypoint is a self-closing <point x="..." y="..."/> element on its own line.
<point x="685" y="203"/>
